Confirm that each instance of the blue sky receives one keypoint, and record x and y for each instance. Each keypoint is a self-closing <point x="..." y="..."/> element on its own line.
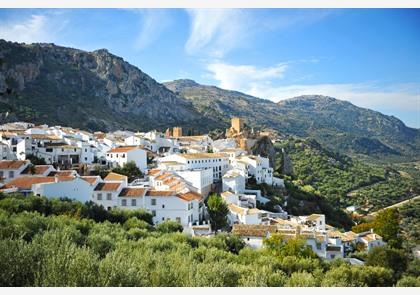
<point x="370" y="57"/>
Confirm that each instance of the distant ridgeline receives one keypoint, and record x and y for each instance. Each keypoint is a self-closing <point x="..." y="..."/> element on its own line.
<point x="45" y="83"/>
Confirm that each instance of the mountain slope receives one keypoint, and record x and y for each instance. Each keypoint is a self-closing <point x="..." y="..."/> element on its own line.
<point x="45" y="83"/>
<point x="337" y="124"/>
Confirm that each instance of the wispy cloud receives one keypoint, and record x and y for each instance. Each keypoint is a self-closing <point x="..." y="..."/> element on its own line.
<point x="153" y="23"/>
<point x="33" y="28"/>
<point x="270" y="83"/>
<point x="217" y="31"/>
<point x="236" y="77"/>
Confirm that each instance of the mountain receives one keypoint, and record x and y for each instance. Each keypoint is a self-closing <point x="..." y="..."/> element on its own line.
<point x="45" y="83"/>
<point x="337" y="124"/>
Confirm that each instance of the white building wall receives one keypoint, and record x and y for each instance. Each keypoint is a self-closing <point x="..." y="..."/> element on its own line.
<point x="76" y="189"/>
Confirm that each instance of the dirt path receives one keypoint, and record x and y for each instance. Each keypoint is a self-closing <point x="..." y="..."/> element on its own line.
<point x="396" y="205"/>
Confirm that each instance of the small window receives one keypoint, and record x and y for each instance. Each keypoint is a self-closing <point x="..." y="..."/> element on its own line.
<point x="124" y="202"/>
<point x="178" y="219"/>
<point x="153" y="202"/>
<point x="109" y="196"/>
<point x="153" y="213"/>
<point x="133" y="202"/>
<point x="163" y="206"/>
<point x="163" y="218"/>
<point x="11" y="174"/>
<point x="99" y="197"/>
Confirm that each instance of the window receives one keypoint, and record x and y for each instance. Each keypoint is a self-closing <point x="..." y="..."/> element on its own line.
<point x="123" y="155"/>
<point x="192" y="205"/>
<point x="109" y="196"/>
<point x="123" y="202"/>
<point x="163" y="218"/>
<point x="178" y="219"/>
<point x="85" y="150"/>
<point x="49" y="150"/>
<point x="99" y="197"/>
<point x="153" y="213"/>
<point x="1" y="174"/>
<point x="163" y="206"/>
<point x="153" y="202"/>
<point x="11" y="174"/>
<point x="85" y="158"/>
<point x="318" y="246"/>
<point x="133" y="202"/>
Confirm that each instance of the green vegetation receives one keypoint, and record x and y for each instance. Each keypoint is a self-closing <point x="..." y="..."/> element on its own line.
<point x="342" y="180"/>
<point x="218" y="211"/>
<point x="35" y="160"/>
<point x="130" y="170"/>
<point x="56" y="243"/>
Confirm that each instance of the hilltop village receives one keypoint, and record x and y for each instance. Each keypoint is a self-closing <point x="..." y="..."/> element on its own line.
<point x="173" y="177"/>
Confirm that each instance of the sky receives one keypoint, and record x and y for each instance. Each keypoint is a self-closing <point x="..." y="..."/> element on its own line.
<point x="370" y="57"/>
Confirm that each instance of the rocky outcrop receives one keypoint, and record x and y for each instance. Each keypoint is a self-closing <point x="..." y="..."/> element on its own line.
<point x="86" y="89"/>
<point x="264" y="147"/>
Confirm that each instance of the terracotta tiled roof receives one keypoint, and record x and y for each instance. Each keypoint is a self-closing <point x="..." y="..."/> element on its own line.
<point x="115" y="176"/>
<point x="190" y="196"/>
<point x="253" y="230"/>
<point x="107" y="186"/>
<point x="39" y="169"/>
<point x="26" y="182"/>
<point x="163" y="176"/>
<point x="90" y="179"/>
<point x="62" y="173"/>
<point x="122" y="149"/>
<point x="14" y="164"/>
<point x="154" y="172"/>
<point x="154" y="193"/>
<point x="45" y="136"/>
<point x="236" y="209"/>
<point x="132" y="192"/>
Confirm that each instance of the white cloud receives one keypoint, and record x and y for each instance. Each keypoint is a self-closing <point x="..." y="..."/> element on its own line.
<point x="217" y="31"/>
<point x="237" y="77"/>
<point x="268" y="83"/>
<point x="153" y="24"/>
<point x="35" y="28"/>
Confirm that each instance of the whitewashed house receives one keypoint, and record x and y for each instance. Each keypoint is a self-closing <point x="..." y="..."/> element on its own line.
<point x="10" y="169"/>
<point x="122" y="155"/>
<point x="106" y="194"/>
<point x="218" y="163"/>
<point x="75" y="188"/>
<point x="234" y="181"/>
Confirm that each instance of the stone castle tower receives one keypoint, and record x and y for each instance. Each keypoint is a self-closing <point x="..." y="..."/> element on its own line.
<point x="177" y="132"/>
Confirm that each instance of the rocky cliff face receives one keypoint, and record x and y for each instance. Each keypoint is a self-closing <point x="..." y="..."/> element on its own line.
<point x="95" y="90"/>
<point x="264" y="147"/>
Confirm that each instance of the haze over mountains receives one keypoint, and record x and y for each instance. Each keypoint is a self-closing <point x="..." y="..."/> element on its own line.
<point x="45" y="83"/>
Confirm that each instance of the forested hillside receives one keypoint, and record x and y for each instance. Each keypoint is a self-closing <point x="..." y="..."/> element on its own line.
<point x="64" y="243"/>
<point x="344" y="181"/>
